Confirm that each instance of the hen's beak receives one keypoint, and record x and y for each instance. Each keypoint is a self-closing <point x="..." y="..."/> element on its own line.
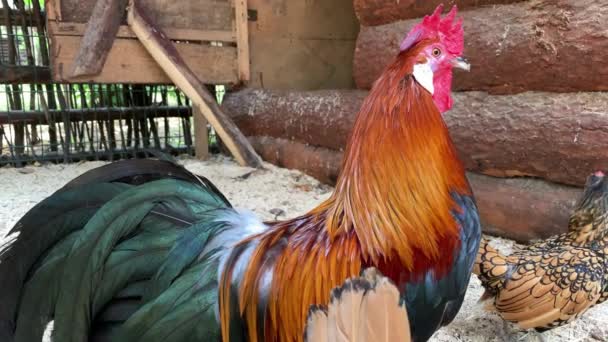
<point x="461" y="63"/>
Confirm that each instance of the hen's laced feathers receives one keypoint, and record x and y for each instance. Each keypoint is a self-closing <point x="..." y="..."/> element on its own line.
<point x="554" y="281"/>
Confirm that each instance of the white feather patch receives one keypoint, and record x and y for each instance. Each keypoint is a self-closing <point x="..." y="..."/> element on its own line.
<point x="424" y="76"/>
<point x="244" y="219"/>
<point x="242" y="223"/>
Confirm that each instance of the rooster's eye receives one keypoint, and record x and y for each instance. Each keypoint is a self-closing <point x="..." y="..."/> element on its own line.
<point x="436" y="52"/>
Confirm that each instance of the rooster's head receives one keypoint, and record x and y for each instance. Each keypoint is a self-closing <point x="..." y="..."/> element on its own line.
<point x="433" y="69"/>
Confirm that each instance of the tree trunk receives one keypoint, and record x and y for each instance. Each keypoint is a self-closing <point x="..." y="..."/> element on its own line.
<point x="534" y="45"/>
<point x="379" y="12"/>
<point x="558" y="137"/>
<point x="320" y="118"/>
<point x="520" y="209"/>
<point x="318" y="162"/>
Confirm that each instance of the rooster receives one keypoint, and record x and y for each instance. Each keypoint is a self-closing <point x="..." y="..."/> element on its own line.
<point x="552" y="282"/>
<point x="146" y="251"/>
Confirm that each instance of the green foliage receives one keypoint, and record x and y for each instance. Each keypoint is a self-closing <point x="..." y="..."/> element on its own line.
<point x="28" y="3"/>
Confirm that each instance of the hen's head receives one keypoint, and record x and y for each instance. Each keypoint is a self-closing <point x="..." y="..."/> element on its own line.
<point x="433" y="68"/>
<point x="592" y="208"/>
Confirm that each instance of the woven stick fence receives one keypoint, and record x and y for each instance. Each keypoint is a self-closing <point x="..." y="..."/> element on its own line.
<point x="44" y="121"/>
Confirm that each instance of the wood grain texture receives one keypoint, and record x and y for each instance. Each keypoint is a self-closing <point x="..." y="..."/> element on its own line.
<point x="212" y="64"/>
<point x="168" y="57"/>
<point x="201" y="135"/>
<point x="558" y="137"/>
<point x="522" y="209"/>
<point x="302" y="44"/>
<point x="98" y="37"/>
<point x="534" y="45"/>
<point x="242" y="39"/>
<point x="200" y="14"/>
<point x="379" y="12"/>
<point x="60" y="28"/>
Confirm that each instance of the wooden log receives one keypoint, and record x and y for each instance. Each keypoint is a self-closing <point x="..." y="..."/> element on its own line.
<point x="318" y="162"/>
<point x="167" y="56"/>
<point x="519" y="209"/>
<point x="533" y="45"/>
<point x="98" y="38"/>
<point x="558" y="137"/>
<point x="379" y="12"/>
<point x="523" y="209"/>
<point x="321" y="118"/>
<point x="17" y="74"/>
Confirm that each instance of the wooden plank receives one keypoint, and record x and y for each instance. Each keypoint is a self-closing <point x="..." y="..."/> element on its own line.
<point x="242" y="39"/>
<point x="199" y="14"/>
<point x="24" y="74"/>
<point x="78" y="29"/>
<point x="328" y="19"/>
<point x="212" y="64"/>
<point x="165" y="53"/>
<point x="312" y="64"/>
<point x="98" y="37"/>
<point x="302" y="45"/>
<point x="53" y="10"/>
<point x="201" y="134"/>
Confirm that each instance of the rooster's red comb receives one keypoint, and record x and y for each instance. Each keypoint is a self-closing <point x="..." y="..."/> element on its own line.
<point x="449" y="31"/>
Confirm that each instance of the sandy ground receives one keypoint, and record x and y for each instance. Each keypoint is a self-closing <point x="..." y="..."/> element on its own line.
<point x="289" y="193"/>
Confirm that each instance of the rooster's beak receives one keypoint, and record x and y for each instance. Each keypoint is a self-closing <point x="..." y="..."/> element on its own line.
<point x="461" y="63"/>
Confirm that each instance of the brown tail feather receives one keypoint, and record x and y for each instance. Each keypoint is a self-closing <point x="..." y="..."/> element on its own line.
<point x="363" y="309"/>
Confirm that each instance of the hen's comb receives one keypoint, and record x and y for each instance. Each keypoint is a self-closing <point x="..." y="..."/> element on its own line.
<point x="449" y="31"/>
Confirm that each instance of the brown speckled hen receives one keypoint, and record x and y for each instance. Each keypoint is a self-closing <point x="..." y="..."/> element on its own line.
<point x="552" y="282"/>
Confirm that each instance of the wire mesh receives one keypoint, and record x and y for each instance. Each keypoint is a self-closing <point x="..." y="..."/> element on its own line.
<point x="92" y="121"/>
<point x="44" y="121"/>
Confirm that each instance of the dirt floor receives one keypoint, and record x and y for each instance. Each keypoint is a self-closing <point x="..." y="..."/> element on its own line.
<point x="285" y="193"/>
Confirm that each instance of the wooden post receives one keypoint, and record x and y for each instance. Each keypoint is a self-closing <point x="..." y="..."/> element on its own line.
<point x="242" y="39"/>
<point x="201" y="135"/>
<point x="166" y="55"/>
<point x="98" y="37"/>
<point x="53" y="10"/>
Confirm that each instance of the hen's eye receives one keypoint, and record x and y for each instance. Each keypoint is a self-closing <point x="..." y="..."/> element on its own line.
<point x="436" y="52"/>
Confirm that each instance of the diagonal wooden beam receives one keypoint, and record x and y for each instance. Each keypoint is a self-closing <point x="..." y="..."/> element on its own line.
<point x="98" y="37"/>
<point x="166" y="55"/>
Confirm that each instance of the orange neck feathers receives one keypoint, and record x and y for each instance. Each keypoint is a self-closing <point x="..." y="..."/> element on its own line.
<point x="399" y="170"/>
